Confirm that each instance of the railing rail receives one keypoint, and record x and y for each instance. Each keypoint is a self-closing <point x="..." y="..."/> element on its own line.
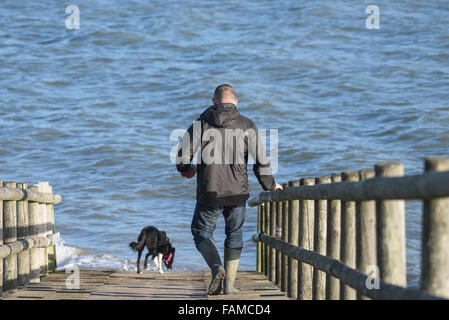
<point x="357" y="219"/>
<point x="27" y="235"/>
<point x="19" y="194"/>
<point x="418" y="187"/>
<point x="355" y="279"/>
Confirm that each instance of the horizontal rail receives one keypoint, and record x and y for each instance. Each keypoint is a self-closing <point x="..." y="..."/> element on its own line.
<point x="16" y="194"/>
<point x="424" y="186"/>
<point x="351" y="277"/>
<point x="16" y="247"/>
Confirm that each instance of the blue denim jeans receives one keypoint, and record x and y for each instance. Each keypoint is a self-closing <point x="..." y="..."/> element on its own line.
<point x="204" y="222"/>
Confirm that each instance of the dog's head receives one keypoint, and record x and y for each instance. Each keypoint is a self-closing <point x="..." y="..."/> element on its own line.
<point x="169" y="256"/>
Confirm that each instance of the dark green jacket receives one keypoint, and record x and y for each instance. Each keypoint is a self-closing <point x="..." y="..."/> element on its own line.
<point x="222" y="178"/>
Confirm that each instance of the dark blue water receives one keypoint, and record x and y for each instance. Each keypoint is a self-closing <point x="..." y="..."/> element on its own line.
<point x="91" y="110"/>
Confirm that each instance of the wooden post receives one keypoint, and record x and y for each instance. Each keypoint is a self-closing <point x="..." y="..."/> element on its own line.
<point x="278" y="235"/>
<point x="390" y="221"/>
<point x="348" y="235"/>
<point x="259" y="244"/>
<point x="272" y="275"/>
<point x="435" y="238"/>
<point x="23" y="258"/>
<point x="43" y="229"/>
<point x="306" y="237"/>
<point x="285" y="236"/>
<point x="1" y="242"/>
<point x="267" y="231"/>
<point x="320" y="233"/>
<point x="333" y="241"/>
<point x="262" y="229"/>
<point x="35" y="254"/>
<point x="10" y="235"/>
<point x="366" y="232"/>
<point x="293" y="227"/>
<point x="51" y="251"/>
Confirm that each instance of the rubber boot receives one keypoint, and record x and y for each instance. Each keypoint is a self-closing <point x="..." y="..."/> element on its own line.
<point x="210" y="254"/>
<point x="232" y="258"/>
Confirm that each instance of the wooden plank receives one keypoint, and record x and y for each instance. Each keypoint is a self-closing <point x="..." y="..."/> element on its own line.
<point x="152" y="286"/>
<point x="125" y="285"/>
<point x="53" y="286"/>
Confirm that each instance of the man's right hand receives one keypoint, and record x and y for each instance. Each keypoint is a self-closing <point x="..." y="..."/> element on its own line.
<point x="189" y="173"/>
<point x="278" y="187"/>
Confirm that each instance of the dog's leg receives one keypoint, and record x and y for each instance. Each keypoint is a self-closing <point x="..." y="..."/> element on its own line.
<point x="155" y="261"/>
<point x="139" y="254"/>
<point x="159" y="255"/>
<point x="145" y="263"/>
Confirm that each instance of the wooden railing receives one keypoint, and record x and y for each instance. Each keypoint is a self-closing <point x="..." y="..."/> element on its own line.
<point x="343" y="236"/>
<point x="27" y="236"/>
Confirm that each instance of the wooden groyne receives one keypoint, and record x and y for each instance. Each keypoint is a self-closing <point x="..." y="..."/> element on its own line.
<point x="27" y="237"/>
<point x="343" y="236"/>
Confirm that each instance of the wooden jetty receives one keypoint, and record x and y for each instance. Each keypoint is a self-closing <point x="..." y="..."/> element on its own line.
<point x="335" y="237"/>
<point x="126" y="285"/>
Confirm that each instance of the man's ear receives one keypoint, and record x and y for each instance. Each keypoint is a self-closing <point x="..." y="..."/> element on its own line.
<point x="236" y="101"/>
<point x="213" y="101"/>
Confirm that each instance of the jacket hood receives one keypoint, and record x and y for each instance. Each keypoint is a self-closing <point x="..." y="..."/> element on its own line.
<point x="221" y="115"/>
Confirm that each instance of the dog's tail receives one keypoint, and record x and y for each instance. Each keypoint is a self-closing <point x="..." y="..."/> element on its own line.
<point x="137" y="246"/>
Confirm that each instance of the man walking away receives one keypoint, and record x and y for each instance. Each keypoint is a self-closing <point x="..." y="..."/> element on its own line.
<point x="225" y="138"/>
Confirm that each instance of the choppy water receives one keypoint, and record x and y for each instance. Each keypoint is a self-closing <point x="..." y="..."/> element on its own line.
<point x="91" y="110"/>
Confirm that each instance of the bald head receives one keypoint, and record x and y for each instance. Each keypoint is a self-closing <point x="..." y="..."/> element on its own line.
<point x="224" y="94"/>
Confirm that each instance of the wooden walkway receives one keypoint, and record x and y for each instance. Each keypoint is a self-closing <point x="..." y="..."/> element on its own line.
<point x="121" y="285"/>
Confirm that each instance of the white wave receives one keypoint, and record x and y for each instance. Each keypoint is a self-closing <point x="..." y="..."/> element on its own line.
<point x="69" y="256"/>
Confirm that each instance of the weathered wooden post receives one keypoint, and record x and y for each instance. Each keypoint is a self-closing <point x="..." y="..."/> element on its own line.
<point x="320" y="233"/>
<point x="348" y="235"/>
<point x="272" y="273"/>
<point x="23" y="258"/>
<point x="285" y="236"/>
<point x="366" y="232"/>
<point x="306" y="238"/>
<point x="259" y="244"/>
<point x="35" y="253"/>
<point x="1" y="242"/>
<point x="390" y="221"/>
<point x="267" y="231"/>
<point x="278" y="235"/>
<point x="333" y="241"/>
<point x="10" y="235"/>
<point x="262" y="229"/>
<point x="43" y="229"/>
<point x="293" y="228"/>
<point x="51" y="251"/>
<point x="435" y="238"/>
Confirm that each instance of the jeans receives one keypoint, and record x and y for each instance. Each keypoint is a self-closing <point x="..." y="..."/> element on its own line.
<point x="204" y="222"/>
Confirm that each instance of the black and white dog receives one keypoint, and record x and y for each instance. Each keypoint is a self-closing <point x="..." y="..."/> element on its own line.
<point x="158" y="245"/>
